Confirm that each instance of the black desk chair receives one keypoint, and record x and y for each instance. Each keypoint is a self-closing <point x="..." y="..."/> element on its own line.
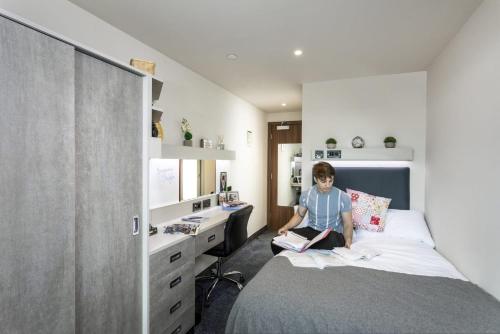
<point x="235" y="236"/>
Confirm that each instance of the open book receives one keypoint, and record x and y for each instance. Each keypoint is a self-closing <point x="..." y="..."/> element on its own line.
<point x="298" y="243"/>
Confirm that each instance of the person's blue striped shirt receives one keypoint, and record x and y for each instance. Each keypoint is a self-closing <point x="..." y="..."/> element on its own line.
<point x="325" y="208"/>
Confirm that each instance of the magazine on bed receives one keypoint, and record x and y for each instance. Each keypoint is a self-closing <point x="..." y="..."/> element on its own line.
<point x="298" y="243"/>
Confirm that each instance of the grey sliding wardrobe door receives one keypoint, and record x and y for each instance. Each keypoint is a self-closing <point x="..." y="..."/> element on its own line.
<point x="37" y="182"/>
<point x="108" y="107"/>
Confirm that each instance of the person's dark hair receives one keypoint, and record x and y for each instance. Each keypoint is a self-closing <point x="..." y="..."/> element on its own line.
<point x="322" y="170"/>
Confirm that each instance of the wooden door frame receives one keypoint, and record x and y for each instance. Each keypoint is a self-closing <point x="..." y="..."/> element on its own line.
<point x="270" y="141"/>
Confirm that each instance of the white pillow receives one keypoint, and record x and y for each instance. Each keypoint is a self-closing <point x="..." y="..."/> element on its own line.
<point x="404" y="224"/>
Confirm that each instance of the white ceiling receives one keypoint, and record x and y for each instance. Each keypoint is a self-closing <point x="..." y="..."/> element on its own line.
<point x="340" y="39"/>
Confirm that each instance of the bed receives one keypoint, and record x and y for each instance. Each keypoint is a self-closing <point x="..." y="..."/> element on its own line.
<point x="409" y="288"/>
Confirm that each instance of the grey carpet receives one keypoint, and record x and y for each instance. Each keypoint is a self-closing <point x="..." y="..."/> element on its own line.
<point x="248" y="260"/>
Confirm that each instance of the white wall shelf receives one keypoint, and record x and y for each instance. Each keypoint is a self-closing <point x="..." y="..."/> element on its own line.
<point x="187" y="152"/>
<point x="364" y="154"/>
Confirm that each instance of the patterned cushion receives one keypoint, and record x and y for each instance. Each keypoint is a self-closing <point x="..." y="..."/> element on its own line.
<point x="368" y="211"/>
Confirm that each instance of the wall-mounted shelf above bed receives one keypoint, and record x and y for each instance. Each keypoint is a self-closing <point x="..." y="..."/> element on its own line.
<point x="197" y="153"/>
<point x="364" y="154"/>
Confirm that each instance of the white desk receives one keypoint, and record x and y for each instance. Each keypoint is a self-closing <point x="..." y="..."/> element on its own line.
<point x="175" y="260"/>
<point x="216" y="216"/>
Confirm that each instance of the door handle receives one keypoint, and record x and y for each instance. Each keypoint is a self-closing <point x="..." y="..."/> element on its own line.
<point x="135" y="225"/>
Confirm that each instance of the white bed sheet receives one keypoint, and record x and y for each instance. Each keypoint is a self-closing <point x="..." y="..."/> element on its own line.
<point x="397" y="255"/>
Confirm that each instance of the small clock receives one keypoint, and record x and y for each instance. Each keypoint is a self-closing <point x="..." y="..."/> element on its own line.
<point x="358" y="142"/>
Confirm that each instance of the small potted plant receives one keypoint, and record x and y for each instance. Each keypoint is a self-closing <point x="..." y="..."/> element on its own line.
<point x="390" y="142"/>
<point x="186" y="130"/>
<point x="331" y="143"/>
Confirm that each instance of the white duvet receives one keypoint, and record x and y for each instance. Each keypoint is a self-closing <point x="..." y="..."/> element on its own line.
<point x="396" y="255"/>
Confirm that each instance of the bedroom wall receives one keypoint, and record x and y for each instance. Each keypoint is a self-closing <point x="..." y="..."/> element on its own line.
<point x="463" y="125"/>
<point x="210" y="109"/>
<point x="284" y="116"/>
<point x="373" y="108"/>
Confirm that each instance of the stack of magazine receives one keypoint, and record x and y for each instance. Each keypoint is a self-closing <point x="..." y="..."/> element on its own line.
<point x="191" y="229"/>
<point x="191" y="226"/>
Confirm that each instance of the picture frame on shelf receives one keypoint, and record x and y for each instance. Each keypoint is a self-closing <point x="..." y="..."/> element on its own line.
<point x="318" y="154"/>
<point x="333" y="154"/>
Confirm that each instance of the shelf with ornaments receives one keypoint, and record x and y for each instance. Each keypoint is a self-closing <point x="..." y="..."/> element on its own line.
<point x="156" y="138"/>
<point x="363" y="154"/>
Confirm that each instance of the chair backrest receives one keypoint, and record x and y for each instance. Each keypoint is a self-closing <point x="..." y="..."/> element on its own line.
<point x="235" y="232"/>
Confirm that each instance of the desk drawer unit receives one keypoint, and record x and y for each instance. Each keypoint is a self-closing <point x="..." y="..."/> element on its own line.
<point x="209" y="239"/>
<point x="171" y="311"/>
<point x="183" y="324"/>
<point x="167" y="260"/>
<point x="172" y="290"/>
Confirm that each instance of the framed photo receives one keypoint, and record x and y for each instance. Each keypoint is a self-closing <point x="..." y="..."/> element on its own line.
<point x="229" y="196"/>
<point x="222" y="181"/>
<point x="233" y="196"/>
<point x="318" y="154"/>
<point x="333" y="154"/>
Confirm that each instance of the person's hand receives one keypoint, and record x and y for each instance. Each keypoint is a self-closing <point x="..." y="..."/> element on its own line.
<point x="348" y="243"/>
<point x="283" y="230"/>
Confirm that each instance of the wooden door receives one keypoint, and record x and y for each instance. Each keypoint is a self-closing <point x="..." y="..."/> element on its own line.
<point x="278" y="216"/>
<point x="108" y="104"/>
<point x="37" y="189"/>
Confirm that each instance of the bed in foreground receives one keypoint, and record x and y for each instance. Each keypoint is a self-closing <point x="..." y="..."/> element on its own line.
<point x="409" y="288"/>
<point x="282" y="298"/>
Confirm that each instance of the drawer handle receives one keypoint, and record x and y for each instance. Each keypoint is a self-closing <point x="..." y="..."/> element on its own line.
<point x="177" y="330"/>
<point x="175" y="257"/>
<point x="211" y="238"/>
<point x="175" y="282"/>
<point x="176" y="307"/>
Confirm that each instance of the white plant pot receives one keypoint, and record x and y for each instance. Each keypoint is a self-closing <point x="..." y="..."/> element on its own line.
<point x="331" y="146"/>
<point x="390" y="145"/>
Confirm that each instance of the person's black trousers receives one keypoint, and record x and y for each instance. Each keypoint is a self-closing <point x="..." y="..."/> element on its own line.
<point x="333" y="239"/>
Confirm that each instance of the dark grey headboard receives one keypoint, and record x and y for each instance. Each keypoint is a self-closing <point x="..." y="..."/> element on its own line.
<point x="390" y="182"/>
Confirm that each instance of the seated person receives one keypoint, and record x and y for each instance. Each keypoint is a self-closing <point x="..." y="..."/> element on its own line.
<point x="328" y="207"/>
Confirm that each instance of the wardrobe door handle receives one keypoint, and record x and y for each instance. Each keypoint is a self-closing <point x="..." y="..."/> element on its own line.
<point x="175" y="257"/>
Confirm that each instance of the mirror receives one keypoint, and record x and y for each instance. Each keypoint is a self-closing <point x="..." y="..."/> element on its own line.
<point x="197" y="178"/>
<point x="173" y="180"/>
<point x="289" y="174"/>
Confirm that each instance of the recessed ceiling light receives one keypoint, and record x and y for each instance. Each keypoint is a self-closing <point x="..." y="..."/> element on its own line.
<point x="298" y="52"/>
<point x="283" y="104"/>
<point x="232" y="56"/>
